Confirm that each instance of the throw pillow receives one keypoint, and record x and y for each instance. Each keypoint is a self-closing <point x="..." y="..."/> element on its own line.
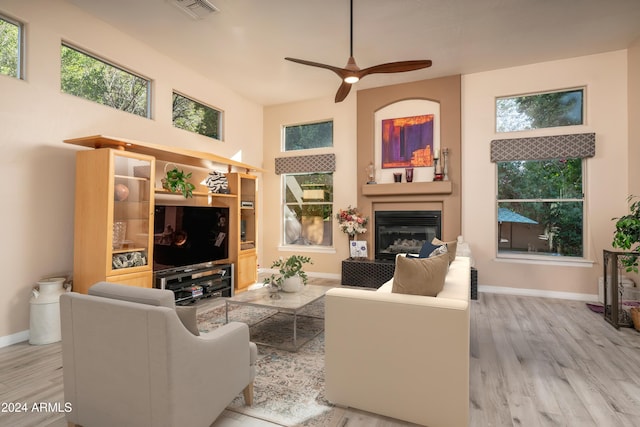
<point x="428" y="249"/>
<point x="187" y="316"/>
<point x="420" y="276"/>
<point x="451" y="246"/>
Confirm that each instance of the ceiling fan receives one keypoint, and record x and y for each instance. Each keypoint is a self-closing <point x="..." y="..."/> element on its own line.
<point x="351" y="73"/>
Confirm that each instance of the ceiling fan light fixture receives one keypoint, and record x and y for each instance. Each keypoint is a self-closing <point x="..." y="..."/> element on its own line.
<point x="351" y="73"/>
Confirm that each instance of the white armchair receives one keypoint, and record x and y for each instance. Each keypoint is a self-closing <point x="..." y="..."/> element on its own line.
<point x="128" y="360"/>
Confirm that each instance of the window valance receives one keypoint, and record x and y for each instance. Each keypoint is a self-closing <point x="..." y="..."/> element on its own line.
<point x="302" y="164"/>
<point x="577" y="145"/>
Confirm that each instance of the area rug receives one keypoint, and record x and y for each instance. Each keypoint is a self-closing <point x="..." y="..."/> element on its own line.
<point x="289" y="387"/>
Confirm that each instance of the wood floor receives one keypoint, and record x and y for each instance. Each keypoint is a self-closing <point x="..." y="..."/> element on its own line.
<point x="534" y="362"/>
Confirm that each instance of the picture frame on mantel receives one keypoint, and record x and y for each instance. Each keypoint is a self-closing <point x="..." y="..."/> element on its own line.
<point x="413" y="109"/>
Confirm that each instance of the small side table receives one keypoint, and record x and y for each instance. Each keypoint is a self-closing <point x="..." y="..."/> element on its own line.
<point x="366" y="273"/>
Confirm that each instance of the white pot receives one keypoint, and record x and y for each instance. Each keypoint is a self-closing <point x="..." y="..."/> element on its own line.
<point x="292" y="284"/>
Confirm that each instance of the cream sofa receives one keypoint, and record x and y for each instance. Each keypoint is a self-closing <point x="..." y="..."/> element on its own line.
<point x="402" y="356"/>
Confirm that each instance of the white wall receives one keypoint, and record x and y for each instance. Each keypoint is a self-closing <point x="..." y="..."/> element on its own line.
<point x="605" y="78"/>
<point x="35" y="117"/>
<point x="344" y="178"/>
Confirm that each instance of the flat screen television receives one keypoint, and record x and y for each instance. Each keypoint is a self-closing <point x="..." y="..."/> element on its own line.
<point x="185" y="236"/>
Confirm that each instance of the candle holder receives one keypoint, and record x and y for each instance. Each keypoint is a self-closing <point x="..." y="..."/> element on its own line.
<point x="437" y="171"/>
<point x="409" y="174"/>
<point x="445" y="163"/>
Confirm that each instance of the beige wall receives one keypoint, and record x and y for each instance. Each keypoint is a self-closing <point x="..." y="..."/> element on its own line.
<point x="38" y="169"/>
<point x="634" y="118"/>
<point x="605" y="78"/>
<point x="326" y="261"/>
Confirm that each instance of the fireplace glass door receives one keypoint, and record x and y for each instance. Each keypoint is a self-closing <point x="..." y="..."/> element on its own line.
<point x="404" y="231"/>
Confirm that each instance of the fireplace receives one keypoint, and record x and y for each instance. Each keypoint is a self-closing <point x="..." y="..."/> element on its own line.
<point x="404" y="231"/>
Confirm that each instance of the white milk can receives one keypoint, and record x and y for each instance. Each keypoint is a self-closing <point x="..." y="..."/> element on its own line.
<point x="44" y="321"/>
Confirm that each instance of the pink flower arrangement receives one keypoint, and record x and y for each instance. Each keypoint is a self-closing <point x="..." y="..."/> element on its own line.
<point x="351" y="221"/>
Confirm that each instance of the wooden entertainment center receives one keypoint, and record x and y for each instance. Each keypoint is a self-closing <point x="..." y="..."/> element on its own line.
<point x="117" y="186"/>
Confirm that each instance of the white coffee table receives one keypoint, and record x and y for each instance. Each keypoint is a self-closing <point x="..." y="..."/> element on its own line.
<point x="288" y="302"/>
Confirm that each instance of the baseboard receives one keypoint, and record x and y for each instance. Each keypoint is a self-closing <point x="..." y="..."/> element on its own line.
<point x="538" y="293"/>
<point x="8" y="340"/>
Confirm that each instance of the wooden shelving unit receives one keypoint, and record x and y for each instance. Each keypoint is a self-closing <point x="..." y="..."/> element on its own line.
<point x="96" y="196"/>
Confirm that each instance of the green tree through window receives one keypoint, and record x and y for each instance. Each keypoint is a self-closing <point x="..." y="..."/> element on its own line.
<point x="196" y="117"/>
<point x="564" y="108"/>
<point x="540" y="207"/>
<point x="306" y="136"/>
<point x="10" y="34"/>
<point x="90" y="78"/>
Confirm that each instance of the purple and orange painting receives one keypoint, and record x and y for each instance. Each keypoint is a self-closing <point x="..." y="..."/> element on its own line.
<point x="407" y="142"/>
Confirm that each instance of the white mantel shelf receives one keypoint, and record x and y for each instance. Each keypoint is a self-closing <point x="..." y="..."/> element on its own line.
<point x="407" y="188"/>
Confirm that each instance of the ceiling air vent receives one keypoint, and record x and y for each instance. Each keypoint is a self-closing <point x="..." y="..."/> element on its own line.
<point x="197" y="9"/>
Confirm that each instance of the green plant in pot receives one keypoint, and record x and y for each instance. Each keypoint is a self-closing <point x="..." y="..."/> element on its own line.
<point x="177" y="181"/>
<point x="627" y="234"/>
<point x="291" y="275"/>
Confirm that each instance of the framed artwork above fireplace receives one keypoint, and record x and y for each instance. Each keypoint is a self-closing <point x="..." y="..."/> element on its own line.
<point x="407" y="142"/>
<point x="407" y="134"/>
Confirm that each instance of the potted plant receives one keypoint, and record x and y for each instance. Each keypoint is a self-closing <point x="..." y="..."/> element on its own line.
<point x="176" y="181"/>
<point x="291" y="276"/>
<point x="627" y="234"/>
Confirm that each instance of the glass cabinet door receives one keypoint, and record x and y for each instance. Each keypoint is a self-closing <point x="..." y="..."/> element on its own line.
<point x="132" y="205"/>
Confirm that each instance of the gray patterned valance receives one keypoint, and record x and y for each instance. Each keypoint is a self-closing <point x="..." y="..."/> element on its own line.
<point x="302" y="164"/>
<point x="577" y="145"/>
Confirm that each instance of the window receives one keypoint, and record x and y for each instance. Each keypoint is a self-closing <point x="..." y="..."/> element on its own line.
<point x="308" y="209"/>
<point x="94" y="79"/>
<point x="544" y="110"/>
<point x="541" y="207"/>
<point x="196" y="117"/>
<point x="307" y="136"/>
<point x="10" y="47"/>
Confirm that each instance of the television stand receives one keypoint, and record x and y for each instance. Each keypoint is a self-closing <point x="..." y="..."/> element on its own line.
<point x="194" y="283"/>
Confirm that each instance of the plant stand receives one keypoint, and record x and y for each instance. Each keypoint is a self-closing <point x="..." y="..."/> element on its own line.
<point x="614" y="313"/>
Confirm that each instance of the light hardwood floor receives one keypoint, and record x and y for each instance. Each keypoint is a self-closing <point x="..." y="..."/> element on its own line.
<point x="534" y="362"/>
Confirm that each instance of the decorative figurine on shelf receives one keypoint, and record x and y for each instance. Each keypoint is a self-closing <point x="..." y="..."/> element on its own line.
<point x="437" y="170"/>
<point x="371" y="173"/>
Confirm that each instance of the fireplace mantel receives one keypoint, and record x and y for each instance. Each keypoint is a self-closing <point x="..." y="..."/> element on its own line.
<point x="407" y="188"/>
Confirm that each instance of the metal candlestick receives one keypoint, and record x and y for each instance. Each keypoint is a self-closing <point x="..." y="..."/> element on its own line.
<point x="445" y="163"/>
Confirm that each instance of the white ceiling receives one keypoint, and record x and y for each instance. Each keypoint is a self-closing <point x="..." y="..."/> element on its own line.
<point x="244" y="44"/>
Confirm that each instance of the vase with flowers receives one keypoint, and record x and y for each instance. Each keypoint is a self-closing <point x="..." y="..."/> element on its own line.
<point x="352" y="222"/>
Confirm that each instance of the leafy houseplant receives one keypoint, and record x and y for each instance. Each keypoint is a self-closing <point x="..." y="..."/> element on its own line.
<point x="176" y="181"/>
<point x="627" y="234"/>
<point x="287" y="268"/>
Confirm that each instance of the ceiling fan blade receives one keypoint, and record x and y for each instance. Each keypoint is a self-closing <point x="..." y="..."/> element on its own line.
<point x="396" y="67"/>
<point x="343" y="91"/>
<point x="341" y="72"/>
